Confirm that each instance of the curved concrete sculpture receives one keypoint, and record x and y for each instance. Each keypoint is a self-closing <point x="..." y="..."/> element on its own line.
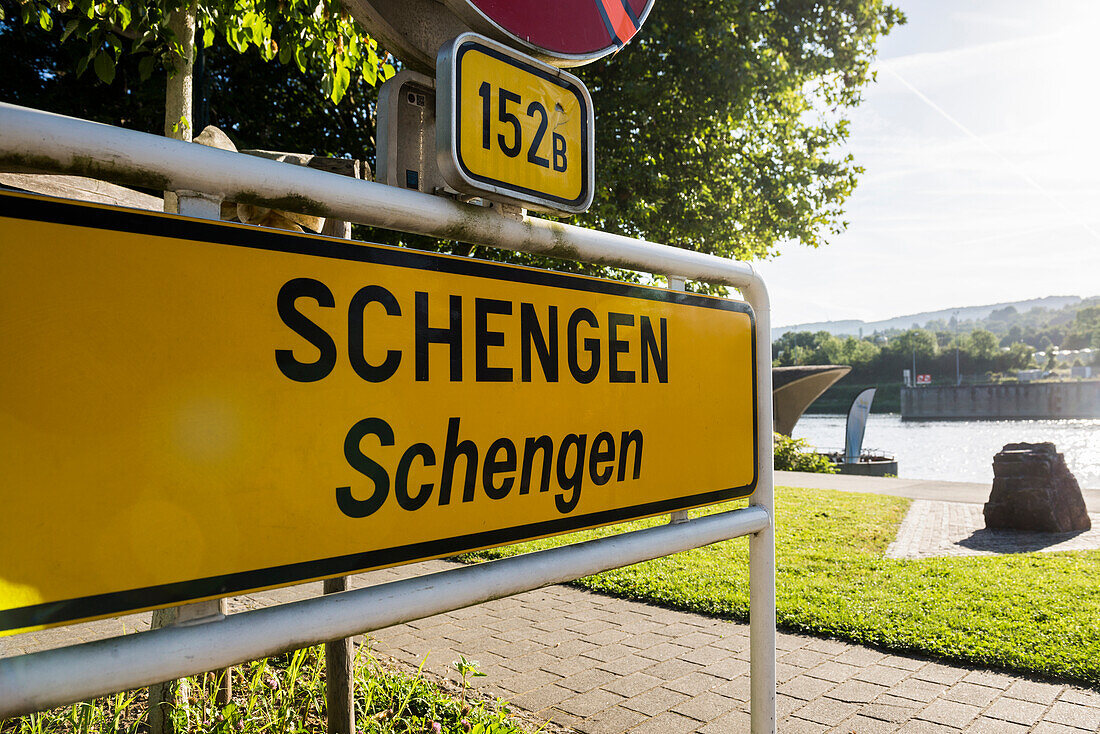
<point x="795" y="388"/>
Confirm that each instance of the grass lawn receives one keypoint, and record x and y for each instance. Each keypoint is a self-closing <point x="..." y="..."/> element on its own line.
<point x="1036" y="612"/>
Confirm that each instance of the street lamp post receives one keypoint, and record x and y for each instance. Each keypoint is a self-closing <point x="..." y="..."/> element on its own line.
<point x="958" y="376"/>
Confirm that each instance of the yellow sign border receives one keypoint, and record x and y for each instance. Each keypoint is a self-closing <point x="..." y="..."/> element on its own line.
<point x="43" y="209"/>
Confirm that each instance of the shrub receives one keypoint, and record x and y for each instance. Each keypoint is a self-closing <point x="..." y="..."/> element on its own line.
<point x="795" y="454"/>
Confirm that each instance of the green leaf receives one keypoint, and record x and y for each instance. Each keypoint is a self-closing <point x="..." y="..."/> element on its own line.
<point x="387" y="71"/>
<point x="145" y="67"/>
<point x="104" y="67"/>
<point x="207" y="37"/>
<point x="124" y="15"/>
<point x="370" y="72"/>
<point x="300" y="59"/>
<point x="2" y="16"/>
<point x="69" y="28"/>
<point x="45" y="19"/>
<point x="340" y="83"/>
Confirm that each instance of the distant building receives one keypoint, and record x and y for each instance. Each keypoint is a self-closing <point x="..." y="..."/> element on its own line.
<point x="1082" y="371"/>
<point x="1029" y="375"/>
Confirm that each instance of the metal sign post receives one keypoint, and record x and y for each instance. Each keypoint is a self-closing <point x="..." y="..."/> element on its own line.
<point x="210" y="422"/>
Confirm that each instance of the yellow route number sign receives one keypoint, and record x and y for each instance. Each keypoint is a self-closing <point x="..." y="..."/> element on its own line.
<point x="513" y="129"/>
<point x="194" y="409"/>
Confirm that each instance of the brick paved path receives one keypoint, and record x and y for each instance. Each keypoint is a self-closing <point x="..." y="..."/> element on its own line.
<point x="933" y="528"/>
<point x="601" y="664"/>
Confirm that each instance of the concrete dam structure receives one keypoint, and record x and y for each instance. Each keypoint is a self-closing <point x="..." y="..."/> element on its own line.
<point x="1041" y="400"/>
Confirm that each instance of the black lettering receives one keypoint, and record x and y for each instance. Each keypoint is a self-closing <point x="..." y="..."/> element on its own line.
<point x="356" y="351"/>
<point x="426" y="335"/>
<point x="559" y="153"/>
<point x="649" y="347"/>
<point x="601" y="476"/>
<point x="401" y="479"/>
<point x="454" y="448"/>
<point x="286" y="304"/>
<point x="545" y="345"/>
<point x="632" y="437"/>
<point x="483" y="339"/>
<point x="570" y="482"/>
<point x="591" y="345"/>
<point x="617" y="346"/>
<point x="366" y="466"/>
<point x="545" y="444"/>
<point x="494" y="466"/>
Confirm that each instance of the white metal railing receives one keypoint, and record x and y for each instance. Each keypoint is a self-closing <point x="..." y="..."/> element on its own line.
<point x="31" y="140"/>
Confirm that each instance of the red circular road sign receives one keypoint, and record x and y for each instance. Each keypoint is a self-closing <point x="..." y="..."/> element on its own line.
<point x="557" y="32"/>
<point x="571" y="30"/>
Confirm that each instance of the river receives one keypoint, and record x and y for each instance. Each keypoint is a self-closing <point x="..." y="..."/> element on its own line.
<point x="961" y="451"/>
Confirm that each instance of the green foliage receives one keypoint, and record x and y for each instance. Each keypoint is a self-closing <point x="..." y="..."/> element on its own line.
<point x="313" y="35"/>
<point x="796" y="454"/>
<point x="720" y="127"/>
<point x="1033" y="613"/>
<point x="286" y="694"/>
<point x="878" y="360"/>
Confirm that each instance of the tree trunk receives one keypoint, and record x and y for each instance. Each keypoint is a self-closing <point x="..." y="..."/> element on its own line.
<point x="179" y="111"/>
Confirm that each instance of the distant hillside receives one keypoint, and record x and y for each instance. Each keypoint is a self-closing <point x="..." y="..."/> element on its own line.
<point x="966" y="313"/>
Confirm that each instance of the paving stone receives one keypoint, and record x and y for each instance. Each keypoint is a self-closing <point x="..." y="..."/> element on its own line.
<point x="728" y="669"/>
<point x="949" y="713"/>
<point x="626" y="665"/>
<point x="861" y="656"/>
<point x="590" y="703"/>
<point x="541" y="698"/>
<point x="737" y="689"/>
<point x="939" y="673"/>
<point x="796" y="725"/>
<point x="918" y="726"/>
<point x="632" y="685"/>
<point x="705" y="655"/>
<point x="587" y="680"/>
<point x="612" y="721"/>
<point x="827" y="711"/>
<point x="883" y="675"/>
<point x="664" y="651"/>
<point x="917" y="690"/>
<point x="666" y="723"/>
<point x="570" y="666"/>
<point x="1081" y="696"/>
<point x="733" y="721"/>
<point x="528" y="681"/>
<point x="1019" y="712"/>
<point x="1071" y="714"/>
<point x="987" y="678"/>
<point x="985" y="725"/>
<point x="693" y="683"/>
<point x="803" y="658"/>
<point x="860" y="724"/>
<point x="1035" y="692"/>
<point x="672" y="669"/>
<point x="1047" y="727"/>
<point x="655" y="701"/>
<point x="854" y="691"/>
<point x="705" y="706"/>
<point x="834" y="671"/>
<point x="607" y="653"/>
<point x="645" y="640"/>
<point x="805" y="687"/>
<point x="972" y="694"/>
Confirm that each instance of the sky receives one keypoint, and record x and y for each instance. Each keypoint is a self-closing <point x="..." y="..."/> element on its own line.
<point x="981" y="144"/>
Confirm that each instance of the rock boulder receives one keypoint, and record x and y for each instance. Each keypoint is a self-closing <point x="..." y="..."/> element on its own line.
<point x="1033" y="489"/>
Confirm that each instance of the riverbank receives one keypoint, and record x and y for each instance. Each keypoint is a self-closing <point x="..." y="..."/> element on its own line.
<point x="918" y="489"/>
